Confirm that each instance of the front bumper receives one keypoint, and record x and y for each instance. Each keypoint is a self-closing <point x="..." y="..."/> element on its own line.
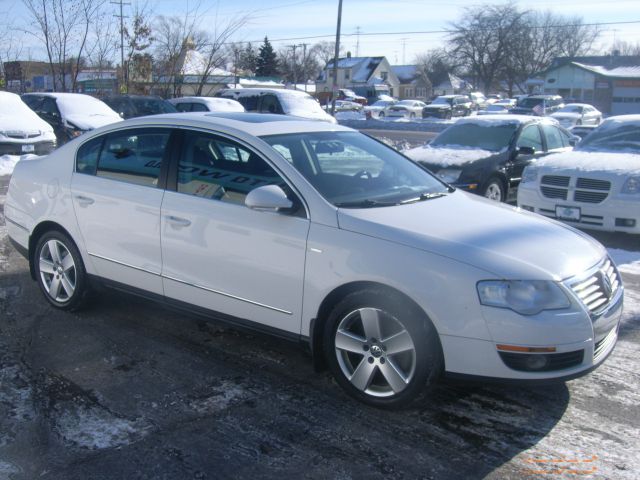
<point x="615" y="214"/>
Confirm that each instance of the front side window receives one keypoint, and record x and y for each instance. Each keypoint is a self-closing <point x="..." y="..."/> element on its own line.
<point x="270" y="104"/>
<point x="217" y="168"/>
<point x="530" y="137"/>
<point x="351" y="170"/>
<point x="133" y="156"/>
<point x="554" y="137"/>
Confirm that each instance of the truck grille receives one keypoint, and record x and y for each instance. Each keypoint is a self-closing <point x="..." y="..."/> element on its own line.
<point x="598" y="289"/>
<point x="587" y="190"/>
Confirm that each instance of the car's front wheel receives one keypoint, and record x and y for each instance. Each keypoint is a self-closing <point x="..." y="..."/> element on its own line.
<point x="381" y="115"/>
<point x="60" y="271"/>
<point x="380" y="349"/>
<point x="494" y="190"/>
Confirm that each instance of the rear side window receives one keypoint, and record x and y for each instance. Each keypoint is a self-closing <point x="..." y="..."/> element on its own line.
<point x="133" y="156"/>
<point x="530" y="137"/>
<point x="249" y="102"/>
<point x="183" y="107"/>
<point x="198" y="107"/>
<point x="554" y="137"/>
<point x="87" y="157"/>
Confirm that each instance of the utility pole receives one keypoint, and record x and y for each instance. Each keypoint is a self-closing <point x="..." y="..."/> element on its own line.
<point x="304" y="64"/>
<point x="124" y="75"/>
<point x="404" y="48"/>
<point x="357" y="41"/>
<point x="334" y="88"/>
<point x="293" y="64"/>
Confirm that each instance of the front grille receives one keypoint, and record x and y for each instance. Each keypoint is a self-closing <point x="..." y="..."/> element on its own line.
<point x="590" y="197"/>
<point x="556" y="180"/>
<point x="554" y="361"/>
<point x="597" y="290"/>
<point x="23" y="135"/>
<point x="593" y="184"/>
<point x="551" y="192"/>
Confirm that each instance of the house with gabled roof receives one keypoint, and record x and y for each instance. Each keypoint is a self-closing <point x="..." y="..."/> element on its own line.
<point x="611" y="82"/>
<point x="414" y="83"/>
<point x="367" y="76"/>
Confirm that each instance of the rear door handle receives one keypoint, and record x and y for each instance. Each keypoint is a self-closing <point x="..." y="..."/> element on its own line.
<point x="82" y="200"/>
<point x="178" y="221"/>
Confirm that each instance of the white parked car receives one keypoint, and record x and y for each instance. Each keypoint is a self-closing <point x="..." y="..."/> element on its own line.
<point x="577" y="114"/>
<point x="278" y="101"/>
<point x="597" y="186"/>
<point x="405" y="109"/>
<point x="21" y="130"/>
<point x="70" y="114"/>
<point x="206" y="104"/>
<point x="377" y="109"/>
<point x="499" y="107"/>
<point x="318" y="233"/>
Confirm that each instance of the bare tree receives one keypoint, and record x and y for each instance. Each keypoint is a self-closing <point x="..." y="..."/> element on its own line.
<point x="437" y="64"/>
<point x="623" y="48"/>
<point x="324" y="52"/>
<point x="63" y="26"/>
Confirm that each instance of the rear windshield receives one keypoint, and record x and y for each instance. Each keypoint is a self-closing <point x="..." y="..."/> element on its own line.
<point x="613" y="136"/>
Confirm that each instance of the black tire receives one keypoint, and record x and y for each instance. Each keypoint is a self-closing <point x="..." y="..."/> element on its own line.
<point x="53" y="270"/>
<point x="381" y="115"/>
<point x="448" y="115"/>
<point x="494" y="190"/>
<point x="397" y="320"/>
<point x="412" y="115"/>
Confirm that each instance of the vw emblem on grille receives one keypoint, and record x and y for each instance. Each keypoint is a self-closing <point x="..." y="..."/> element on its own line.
<point x="606" y="284"/>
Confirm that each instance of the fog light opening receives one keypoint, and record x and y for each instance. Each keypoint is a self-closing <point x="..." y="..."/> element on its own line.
<point x="536" y="362"/>
<point x="528" y="208"/>
<point x="625" y="222"/>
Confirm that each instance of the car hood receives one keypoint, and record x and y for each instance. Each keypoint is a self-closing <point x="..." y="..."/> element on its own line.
<point x="19" y="123"/>
<point x="88" y="121"/>
<point x="504" y="241"/>
<point x="601" y="163"/>
<point x="448" y="157"/>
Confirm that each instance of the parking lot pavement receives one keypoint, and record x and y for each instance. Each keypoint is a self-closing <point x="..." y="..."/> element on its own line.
<point x="128" y="389"/>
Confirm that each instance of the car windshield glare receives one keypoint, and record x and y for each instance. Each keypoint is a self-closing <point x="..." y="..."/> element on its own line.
<point x="352" y="170"/>
<point x="485" y="136"/>
<point x="613" y="136"/>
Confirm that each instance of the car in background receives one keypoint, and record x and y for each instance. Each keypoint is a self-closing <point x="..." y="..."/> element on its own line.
<point x="538" y="105"/>
<point x="478" y="100"/>
<point x="578" y="114"/>
<point x="582" y="130"/>
<point x="130" y="106"/>
<point x="405" y="109"/>
<point x="351" y="96"/>
<point x="21" y="130"/>
<point x="70" y="114"/>
<point x="377" y="110"/>
<point x="448" y="106"/>
<point x="596" y="186"/>
<point x="345" y="106"/>
<point x="499" y="107"/>
<point x="278" y="101"/>
<point x="319" y="234"/>
<point x="486" y="155"/>
<point x="206" y="104"/>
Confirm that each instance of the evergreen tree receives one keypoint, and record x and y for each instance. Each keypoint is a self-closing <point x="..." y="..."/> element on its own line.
<point x="248" y="58"/>
<point x="267" y="62"/>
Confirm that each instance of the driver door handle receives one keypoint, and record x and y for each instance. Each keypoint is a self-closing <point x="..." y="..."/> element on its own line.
<point x="178" y="221"/>
<point x="84" y="201"/>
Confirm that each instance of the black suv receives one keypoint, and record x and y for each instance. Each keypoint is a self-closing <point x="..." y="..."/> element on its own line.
<point x="447" y="106"/>
<point x="129" y="106"/>
<point x="538" y="105"/>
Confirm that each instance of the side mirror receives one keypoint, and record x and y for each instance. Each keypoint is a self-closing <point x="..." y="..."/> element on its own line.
<point x="268" y="198"/>
<point x="526" y="151"/>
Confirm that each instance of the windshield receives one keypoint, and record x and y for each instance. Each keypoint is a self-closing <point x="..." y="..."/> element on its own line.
<point x="300" y="105"/>
<point x="79" y="104"/>
<point x="612" y="136"/>
<point x="441" y="101"/>
<point x="530" y="102"/>
<point x="152" y="106"/>
<point x="571" y="109"/>
<point x="352" y="170"/>
<point x="482" y="135"/>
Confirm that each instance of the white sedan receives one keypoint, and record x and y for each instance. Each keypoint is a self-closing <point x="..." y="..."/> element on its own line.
<point x="597" y="186"/>
<point x="21" y="130"/>
<point x="206" y="104"/>
<point x="405" y="109"/>
<point x="577" y="114"/>
<point x="317" y="233"/>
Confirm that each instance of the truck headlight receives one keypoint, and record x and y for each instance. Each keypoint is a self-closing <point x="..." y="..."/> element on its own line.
<point x="526" y="297"/>
<point x="529" y="175"/>
<point x="449" y="175"/>
<point x="632" y="185"/>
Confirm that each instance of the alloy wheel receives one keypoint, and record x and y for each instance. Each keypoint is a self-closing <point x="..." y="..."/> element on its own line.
<point x="493" y="192"/>
<point x="57" y="271"/>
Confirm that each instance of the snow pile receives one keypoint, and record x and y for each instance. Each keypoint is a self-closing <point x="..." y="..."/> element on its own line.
<point x="9" y="162"/>
<point x="95" y="428"/>
<point x="593" y="162"/>
<point x="628" y="262"/>
<point x="447" y="156"/>
<point x="350" y="116"/>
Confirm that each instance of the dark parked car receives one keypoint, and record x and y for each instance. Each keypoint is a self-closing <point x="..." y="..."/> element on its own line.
<point x="486" y="155"/>
<point x="129" y="106"/>
<point x="447" y="106"/>
<point x="539" y="105"/>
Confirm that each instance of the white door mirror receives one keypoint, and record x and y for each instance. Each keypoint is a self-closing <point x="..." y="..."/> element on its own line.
<point x="268" y="198"/>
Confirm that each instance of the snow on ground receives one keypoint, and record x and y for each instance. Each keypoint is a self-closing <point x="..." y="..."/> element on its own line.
<point x="628" y="262"/>
<point x="8" y="163"/>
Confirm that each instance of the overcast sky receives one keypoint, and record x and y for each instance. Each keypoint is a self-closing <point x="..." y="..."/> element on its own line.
<point x="296" y="20"/>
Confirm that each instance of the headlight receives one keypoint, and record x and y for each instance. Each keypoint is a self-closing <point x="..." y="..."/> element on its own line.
<point x="526" y="297"/>
<point x="449" y="175"/>
<point x="529" y="175"/>
<point x="632" y="185"/>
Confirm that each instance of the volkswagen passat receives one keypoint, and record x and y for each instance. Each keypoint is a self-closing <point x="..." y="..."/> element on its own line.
<point x="316" y="232"/>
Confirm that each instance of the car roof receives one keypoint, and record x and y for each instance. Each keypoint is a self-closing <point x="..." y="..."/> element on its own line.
<point x="249" y="91"/>
<point x="507" y="118"/>
<point x="57" y="94"/>
<point x="257" y="124"/>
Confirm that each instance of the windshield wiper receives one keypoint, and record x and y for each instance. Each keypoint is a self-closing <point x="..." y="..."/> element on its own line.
<point x="423" y="197"/>
<point x="366" y="203"/>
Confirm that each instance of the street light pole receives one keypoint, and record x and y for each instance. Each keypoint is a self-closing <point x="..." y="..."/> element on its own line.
<point x="334" y="89"/>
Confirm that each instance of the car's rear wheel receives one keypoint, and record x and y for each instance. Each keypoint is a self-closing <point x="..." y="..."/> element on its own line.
<point x="60" y="271"/>
<point x="448" y="115"/>
<point x="380" y="349"/>
<point x="412" y="115"/>
<point x="381" y="115"/>
<point x="494" y="190"/>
